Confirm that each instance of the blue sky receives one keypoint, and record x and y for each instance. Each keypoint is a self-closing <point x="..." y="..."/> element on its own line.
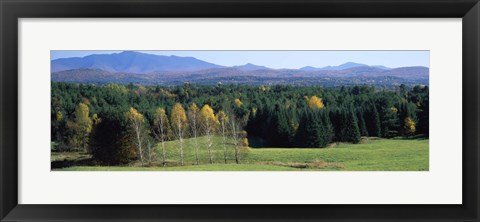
<point x="284" y="59"/>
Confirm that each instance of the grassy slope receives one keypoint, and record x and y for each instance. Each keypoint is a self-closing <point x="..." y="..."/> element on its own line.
<point x="374" y="155"/>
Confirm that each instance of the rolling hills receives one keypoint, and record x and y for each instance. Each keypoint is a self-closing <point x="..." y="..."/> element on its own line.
<point x="148" y="69"/>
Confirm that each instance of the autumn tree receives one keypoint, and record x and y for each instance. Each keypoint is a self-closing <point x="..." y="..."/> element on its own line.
<point x="315" y="103"/>
<point x="239" y="138"/>
<point x="81" y="127"/>
<point x="193" y="119"/>
<point x="96" y="119"/>
<point x="208" y="123"/>
<point x="179" y="122"/>
<point x="222" y="119"/>
<point x="238" y="102"/>
<point x="111" y="141"/>
<point x="161" y="130"/>
<point x="136" y="122"/>
<point x="409" y="126"/>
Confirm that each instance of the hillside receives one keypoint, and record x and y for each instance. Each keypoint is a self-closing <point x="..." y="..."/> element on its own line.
<point x="396" y="155"/>
<point x="131" y="62"/>
<point x="148" y="69"/>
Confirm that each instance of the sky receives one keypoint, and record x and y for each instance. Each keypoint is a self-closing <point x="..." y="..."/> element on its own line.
<point x="284" y="59"/>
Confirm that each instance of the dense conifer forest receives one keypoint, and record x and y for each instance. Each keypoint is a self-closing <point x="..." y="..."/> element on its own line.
<point x="118" y="124"/>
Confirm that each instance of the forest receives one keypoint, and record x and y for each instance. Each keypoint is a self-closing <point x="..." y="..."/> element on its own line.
<point x="124" y="124"/>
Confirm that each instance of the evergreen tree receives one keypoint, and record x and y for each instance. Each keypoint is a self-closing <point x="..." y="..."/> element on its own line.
<point x="372" y="121"/>
<point x="423" y="118"/>
<point x="361" y="124"/>
<point x="351" y="132"/>
<point x="311" y="132"/>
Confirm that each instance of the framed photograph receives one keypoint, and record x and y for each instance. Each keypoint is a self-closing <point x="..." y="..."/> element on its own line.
<point x="225" y="110"/>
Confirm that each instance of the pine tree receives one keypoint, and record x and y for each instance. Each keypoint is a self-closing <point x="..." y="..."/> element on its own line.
<point x="351" y="132"/>
<point x="361" y="124"/>
<point x="327" y="127"/>
<point x="311" y="132"/>
<point x="423" y="117"/>
<point x="377" y="127"/>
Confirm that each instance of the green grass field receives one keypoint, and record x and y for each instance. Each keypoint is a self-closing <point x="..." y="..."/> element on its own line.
<point x="371" y="155"/>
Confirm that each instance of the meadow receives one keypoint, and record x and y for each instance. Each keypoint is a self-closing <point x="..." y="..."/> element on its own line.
<point x="371" y="154"/>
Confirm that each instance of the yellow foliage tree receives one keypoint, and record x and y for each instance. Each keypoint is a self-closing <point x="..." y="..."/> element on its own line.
<point x="193" y="117"/>
<point x="117" y="88"/>
<point x="161" y="126"/>
<point x="178" y="119"/>
<point x="254" y="111"/>
<point x="222" y="118"/>
<point x="207" y="115"/>
<point x="409" y="125"/>
<point x="59" y="116"/>
<point x="136" y="121"/>
<point x="208" y="123"/>
<point x="238" y="102"/>
<point x="315" y="103"/>
<point x="96" y="120"/>
<point x="245" y="142"/>
<point x="81" y="127"/>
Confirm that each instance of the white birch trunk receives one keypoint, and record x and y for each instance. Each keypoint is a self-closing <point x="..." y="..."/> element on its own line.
<point x="224" y="141"/>
<point x="194" y="129"/>
<point x="180" y="137"/>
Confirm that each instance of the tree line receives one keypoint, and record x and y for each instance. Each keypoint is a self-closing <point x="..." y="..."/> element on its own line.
<point x="119" y="124"/>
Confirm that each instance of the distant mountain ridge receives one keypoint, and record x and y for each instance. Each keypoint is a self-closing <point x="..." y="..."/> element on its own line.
<point x="250" y="67"/>
<point x="132" y="62"/>
<point x="134" y="67"/>
<point x="141" y="63"/>
<point x="344" y="66"/>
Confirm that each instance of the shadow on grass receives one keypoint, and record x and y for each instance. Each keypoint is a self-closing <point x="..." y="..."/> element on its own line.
<point x="415" y="137"/>
<point x="256" y="142"/>
<point x="82" y="160"/>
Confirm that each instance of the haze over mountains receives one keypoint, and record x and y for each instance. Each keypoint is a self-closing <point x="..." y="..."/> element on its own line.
<point x="141" y="68"/>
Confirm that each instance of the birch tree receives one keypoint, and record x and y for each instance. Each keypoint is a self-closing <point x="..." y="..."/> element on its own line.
<point x="193" y="119"/>
<point x="208" y="123"/>
<point x="236" y="137"/>
<point x="222" y="118"/>
<point x="161" y="130"/>
<point x="179" y="122"/>
<point x="81" y="127"/>
<point x="136" y="122"/>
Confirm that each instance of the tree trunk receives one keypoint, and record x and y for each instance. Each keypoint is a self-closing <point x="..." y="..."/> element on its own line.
<point x="139" y="143"/>
<point x="235" y="141"/>
<point x="209" y="141"/>
<point x="162" y="139"/>
<point x="196" y="142"/>
<point x="224" y="142"/>
<point x="180" y="136"/>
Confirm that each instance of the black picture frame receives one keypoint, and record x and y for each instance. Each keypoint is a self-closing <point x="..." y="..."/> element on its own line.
<point x="12" y="10"/>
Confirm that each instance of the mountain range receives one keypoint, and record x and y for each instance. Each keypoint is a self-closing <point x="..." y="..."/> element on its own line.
<point x="142" y="68"/>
